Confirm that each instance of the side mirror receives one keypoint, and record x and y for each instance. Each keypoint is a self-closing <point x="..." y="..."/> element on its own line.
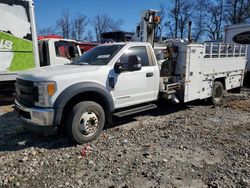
<point x="118" y="68"/>
<point x="134" y="63"/>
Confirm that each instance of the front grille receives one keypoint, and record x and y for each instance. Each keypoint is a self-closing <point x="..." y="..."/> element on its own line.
<point x="26" y="92"/>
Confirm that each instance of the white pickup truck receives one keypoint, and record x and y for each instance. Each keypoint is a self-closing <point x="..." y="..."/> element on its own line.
<point x="120" y="79"/>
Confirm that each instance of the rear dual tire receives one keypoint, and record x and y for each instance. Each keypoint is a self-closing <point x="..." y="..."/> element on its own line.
<point x="217" y="93"/>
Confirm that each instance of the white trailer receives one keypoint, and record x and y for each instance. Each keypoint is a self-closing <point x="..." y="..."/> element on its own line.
<point x="240" y="34"/>
<point x="19" y="49"/>
<point x="18" y="41"/>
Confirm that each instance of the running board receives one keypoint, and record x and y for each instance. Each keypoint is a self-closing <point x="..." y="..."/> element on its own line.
<point x="135" y="110"/>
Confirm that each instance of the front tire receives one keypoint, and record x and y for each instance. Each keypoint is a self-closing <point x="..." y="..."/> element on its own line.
<point x="217" y="94"/>
<point x="85" y="122"/>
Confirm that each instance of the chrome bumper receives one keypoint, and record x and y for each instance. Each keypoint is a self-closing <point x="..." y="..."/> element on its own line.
<point x="35" y="116"/>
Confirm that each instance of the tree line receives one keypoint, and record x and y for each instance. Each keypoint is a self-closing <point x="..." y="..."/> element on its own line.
<point x="77" y="27"/>
<point x="208" y="17"/>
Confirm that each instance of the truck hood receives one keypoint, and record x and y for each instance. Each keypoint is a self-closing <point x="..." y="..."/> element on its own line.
<point x="47" y="73"/>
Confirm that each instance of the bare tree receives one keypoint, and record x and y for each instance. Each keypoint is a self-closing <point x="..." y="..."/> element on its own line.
<point x="237" y="11"/>
<point x="104" y="23"/>
<point x="214" y="21"/>
<point x="175" y="14"/>
<point x="79" y="24"/>
<point x="199" y="18"/>
<point x="89" y="36"/>
<point x="47" y="31"/>
<point x="64" y="24"/>
<point x="162" y="14"/>
<point x="170" y="29"/>
<point x="180" y="14"/>
<point x="185" y="14"/>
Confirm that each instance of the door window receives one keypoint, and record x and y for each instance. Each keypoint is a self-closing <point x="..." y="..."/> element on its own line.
<point x="159" y="54"/>
<point x="66" y="50"/>
<point x="139" y="51"/>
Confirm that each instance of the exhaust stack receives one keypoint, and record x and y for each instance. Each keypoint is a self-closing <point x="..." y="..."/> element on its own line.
<point x="190" y="31"/>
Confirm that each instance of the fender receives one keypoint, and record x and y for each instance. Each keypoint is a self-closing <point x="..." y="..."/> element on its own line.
<point x="79" y="88"/>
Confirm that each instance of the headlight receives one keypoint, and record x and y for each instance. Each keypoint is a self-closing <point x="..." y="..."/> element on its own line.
<point x="45" y="91"/>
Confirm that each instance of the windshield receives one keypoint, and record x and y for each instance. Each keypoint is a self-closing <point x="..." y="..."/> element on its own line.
<point x="99" y="55"/>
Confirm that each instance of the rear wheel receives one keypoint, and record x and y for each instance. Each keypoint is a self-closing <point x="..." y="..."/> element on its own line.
<point x="217" y="94"/>
<point x="85" y="122"/>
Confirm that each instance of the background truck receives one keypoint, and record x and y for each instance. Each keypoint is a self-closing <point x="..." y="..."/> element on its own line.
<point x="116" y="36"/>
<point x="240" y="34"/>
<point x="19" y="48"/>
<point x="86" y="46"/>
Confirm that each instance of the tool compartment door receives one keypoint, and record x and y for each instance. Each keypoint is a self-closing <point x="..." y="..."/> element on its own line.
<point x="193" y="72"/>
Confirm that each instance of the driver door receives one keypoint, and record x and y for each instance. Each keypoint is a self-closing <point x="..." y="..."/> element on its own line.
<point x="135" y="87"/>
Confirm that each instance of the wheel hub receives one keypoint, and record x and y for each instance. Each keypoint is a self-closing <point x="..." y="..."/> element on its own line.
<point x="88" y="123"/>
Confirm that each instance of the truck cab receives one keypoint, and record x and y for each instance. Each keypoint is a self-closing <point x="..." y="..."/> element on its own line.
<point x="103" y="81"/>
<point x="57" y="51"/>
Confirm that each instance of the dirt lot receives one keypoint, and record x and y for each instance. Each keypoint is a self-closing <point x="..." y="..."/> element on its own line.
<point x="193" y="145"/>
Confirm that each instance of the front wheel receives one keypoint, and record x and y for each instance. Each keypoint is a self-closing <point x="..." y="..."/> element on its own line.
<point x="85" y="122"/>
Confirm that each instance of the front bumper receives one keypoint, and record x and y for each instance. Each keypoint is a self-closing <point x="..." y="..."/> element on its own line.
<point x="42" y="117"/>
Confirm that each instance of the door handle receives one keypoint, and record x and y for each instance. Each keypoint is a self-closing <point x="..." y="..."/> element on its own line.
<point x="149" y="74"/>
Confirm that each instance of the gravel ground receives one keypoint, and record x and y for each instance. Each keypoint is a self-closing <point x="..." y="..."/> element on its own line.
<point x="192" y="145"/>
